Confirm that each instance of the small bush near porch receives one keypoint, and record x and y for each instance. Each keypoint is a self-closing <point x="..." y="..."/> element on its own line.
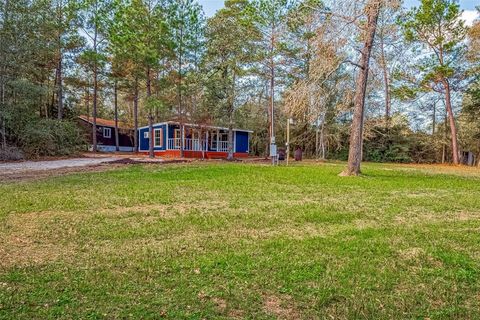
<point x="208" y="241"/>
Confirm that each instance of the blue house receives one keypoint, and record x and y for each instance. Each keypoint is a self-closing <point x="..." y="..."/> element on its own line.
<point x="198" y="141"/>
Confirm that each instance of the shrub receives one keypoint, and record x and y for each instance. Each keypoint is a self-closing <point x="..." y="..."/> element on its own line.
<point x="49" y="137"/>
<point x="11" y="154"/>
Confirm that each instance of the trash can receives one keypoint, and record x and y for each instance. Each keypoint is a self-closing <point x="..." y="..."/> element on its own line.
<point x="281" y="154"/>
<point x="298" y="154"/>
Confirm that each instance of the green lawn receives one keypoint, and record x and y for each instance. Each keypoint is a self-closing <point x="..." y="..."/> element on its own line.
<point x="218" y="241"/>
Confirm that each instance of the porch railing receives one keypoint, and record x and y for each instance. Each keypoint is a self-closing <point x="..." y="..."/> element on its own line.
<point x="173" y="143"/>
<point x="197" y="145"/>
<point x="222" y="146"/>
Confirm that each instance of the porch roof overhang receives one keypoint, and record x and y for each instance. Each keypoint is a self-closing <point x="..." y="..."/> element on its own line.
<point x="196" y="126"/>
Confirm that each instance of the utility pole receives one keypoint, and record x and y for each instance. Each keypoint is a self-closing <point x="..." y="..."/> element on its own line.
<point x="288" y="138"/>
<point x="273" y="146"/>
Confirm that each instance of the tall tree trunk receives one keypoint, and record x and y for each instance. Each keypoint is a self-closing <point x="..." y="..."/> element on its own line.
<point x="115" y="102"/>
<point x="59" y="71"/>
<point x="444" y="146"/>
<point x="46" y="107"/>
<point x="135" y="116"/>
<point x="386" y="83"/>
<point x="54" y="90"/>
<point x="94" y="112"/>
<point x="179" y="93"/>
<point x="2" y="115"/>
<point x="3" y="80"/>
<point x="434" y="118"/>
<point x="182" y="138"/>
<point x="3" y="133"/>
<point x="3" y="101"/>
<point x="151" y="150"/>
<point x="356" y="135"/>
<point x="451" y="121"/>
<point x="60" y="87"/>
<point x="87" y="101"/>
<point x="267" y="124"/>
<point x="322" y="138"/>
<point x="272" y="86"/>
<point x="95" y="94"/>
<point x="230" y="153"/>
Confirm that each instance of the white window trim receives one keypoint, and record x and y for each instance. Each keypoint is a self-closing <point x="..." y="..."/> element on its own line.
<point x="161" y="137"/>
<point x="109" y="130"/>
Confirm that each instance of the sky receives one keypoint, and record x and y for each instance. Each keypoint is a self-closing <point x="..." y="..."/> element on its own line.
<point x="211" y="6"/>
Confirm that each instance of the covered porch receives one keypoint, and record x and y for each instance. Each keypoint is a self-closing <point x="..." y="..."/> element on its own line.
<point x="198" y="139"/>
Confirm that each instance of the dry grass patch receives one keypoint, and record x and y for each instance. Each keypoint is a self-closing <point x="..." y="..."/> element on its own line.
<point x="280" y="307"/>
<point x="37" y="238"/>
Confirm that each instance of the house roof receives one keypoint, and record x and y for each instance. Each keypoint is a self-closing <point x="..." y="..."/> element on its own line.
<point x="105" y="122"/>
<point x="196" y="125"/>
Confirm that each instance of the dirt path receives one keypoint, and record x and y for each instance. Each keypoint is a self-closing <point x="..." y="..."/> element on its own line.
<point x="33" y="170"/>
<point x="27" y="166"/>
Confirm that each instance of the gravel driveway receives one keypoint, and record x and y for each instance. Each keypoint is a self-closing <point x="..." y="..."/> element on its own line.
<point x="16" y="167"/>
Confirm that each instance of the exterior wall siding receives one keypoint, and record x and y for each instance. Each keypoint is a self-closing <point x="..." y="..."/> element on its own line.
<point x="241" y="142"/>
<point x="125" y="136"/>
<point x="144" y="143"/>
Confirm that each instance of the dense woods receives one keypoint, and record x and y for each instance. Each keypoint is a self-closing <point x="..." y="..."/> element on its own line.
<point x="364" y="80"/>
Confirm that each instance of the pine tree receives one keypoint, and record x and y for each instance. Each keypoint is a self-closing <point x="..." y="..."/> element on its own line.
<point x="186" y="21"/>
<point x="231" y="45"/>
<point x="437" y="25"/>
<point x="372" y="11"/>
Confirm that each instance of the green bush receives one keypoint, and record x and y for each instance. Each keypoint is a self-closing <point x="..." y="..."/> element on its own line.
<point x="11" y="154"/>
<point x="48" y="137"/>
<point x="424" y="148"/>
<point x="387" y="144"/>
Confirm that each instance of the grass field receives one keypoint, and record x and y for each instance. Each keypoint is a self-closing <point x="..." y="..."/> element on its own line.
<point x="219" y="241"/>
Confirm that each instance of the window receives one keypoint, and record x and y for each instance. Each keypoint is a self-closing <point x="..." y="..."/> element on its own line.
<point x="158" y="135"/>
<point x="107" y="132"/>
<point x="145" y="135"/>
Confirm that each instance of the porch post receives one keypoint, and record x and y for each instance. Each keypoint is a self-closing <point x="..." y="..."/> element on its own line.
<point x="234" y="142"/>
<point x="166" y="147"/>
<point x="218" y="141"/>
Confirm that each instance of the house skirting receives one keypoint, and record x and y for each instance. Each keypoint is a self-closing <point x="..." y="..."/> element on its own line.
<point x="106" y="148"/>
<point x="196" y="154"/>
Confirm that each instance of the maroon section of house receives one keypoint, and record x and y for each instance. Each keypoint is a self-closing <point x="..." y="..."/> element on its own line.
<point x="106" y="132"/>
